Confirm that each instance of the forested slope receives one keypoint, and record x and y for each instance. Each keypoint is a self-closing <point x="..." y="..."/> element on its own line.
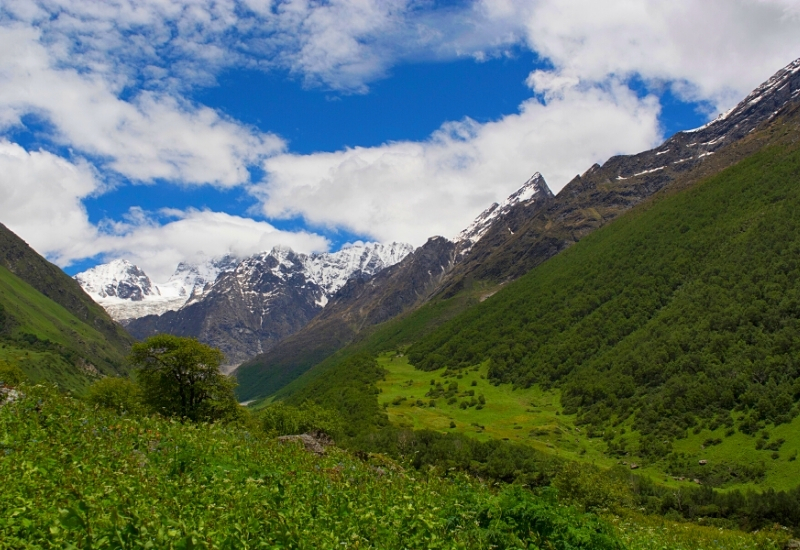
<point x="677" y="313"/>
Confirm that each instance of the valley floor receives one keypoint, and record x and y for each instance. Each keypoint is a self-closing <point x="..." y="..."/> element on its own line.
<point x="535" y="417"/>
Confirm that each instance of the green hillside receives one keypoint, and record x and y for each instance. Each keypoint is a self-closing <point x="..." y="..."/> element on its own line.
<point x="48" y="342"/>
<point x="47" y="278"/>
<point x="678" y="317"/>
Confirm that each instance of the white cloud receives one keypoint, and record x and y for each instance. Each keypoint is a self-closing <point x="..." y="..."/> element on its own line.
<point x="714" y="50"/>
<point x="194" y="236"/>
<point x="152" y="136"/>
<point x="409" y="191"/>
<point x="340" y="44"/>
<point x="40" y="200"/>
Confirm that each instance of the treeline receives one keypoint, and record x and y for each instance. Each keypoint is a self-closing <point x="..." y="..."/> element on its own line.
<point x="673" y="316"/>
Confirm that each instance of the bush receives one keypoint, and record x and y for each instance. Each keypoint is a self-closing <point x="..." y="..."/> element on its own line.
<point x="118" y="394"/>
<point x="11" y="375"/>
<point x="281" y="419"/>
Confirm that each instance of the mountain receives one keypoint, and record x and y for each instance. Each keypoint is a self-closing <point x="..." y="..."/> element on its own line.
<point x="49" y="326"/>
<point x="361" y="302"/>
<point x="666" y="339"/>
<point x="126" y="292"/>
<point x="681" y="315"/>
<point x="507" y="241"/>
<point x="268" y="297"/>
<point x="365" y="302"/>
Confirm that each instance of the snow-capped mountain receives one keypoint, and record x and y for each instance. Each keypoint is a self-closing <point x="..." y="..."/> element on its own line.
<point x="533" y="189"/>
<point x="126" y="292"/>
<point x="332" y="270"/>
<point x="267" y="297"/>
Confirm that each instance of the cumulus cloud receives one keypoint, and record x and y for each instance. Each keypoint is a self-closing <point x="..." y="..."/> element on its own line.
<point x="152" y="136"/>
<point x="715" y="50"/>
<point x="410" y="191"/>
<point x="40" y="200"/>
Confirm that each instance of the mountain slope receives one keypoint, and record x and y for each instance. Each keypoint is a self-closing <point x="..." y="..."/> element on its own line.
<point x="361" y="302"/>
<point x="671" y="317"/>
<point x="528" y="236"/>
<point x="509" y="240"/>
<point x="21" y="260"/>
<point x="49" y="341"/>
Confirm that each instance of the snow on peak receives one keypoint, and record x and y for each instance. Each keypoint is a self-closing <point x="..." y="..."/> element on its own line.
<point x="117" y="279"/>
<point x="332" y="270"/>
<point x="126" y="292"/>
<point x="534" y="188"/>
<point x="775" y="82"/>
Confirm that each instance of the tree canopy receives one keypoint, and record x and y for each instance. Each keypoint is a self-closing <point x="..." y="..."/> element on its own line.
<point x="181" y="377"/>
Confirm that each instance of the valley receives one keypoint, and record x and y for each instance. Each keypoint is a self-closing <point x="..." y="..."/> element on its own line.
<point x="536" y="418"/>
<point x="613" y="366"/>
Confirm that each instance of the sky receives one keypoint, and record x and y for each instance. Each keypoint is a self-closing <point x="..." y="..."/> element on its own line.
<point x="161" y="131"/>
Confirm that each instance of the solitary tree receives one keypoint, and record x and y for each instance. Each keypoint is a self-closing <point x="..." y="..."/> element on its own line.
<point x="180" y="377"/>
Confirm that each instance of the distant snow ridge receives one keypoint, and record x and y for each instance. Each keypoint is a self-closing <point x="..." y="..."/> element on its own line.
<point x="533" y="188"/>
<point x="332" y="270"/>
<point x="126" y="292"/>
<point x="776" y="82"/>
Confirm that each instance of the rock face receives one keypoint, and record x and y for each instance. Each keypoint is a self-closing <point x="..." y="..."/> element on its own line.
<point x="509" y="239"/>
<point x="267" y="297"/>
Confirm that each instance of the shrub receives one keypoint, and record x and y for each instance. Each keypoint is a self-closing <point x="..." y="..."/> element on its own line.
<point x="282" y="419"/>
<point x="11" y="374"/>
<point x="118" y="394"/>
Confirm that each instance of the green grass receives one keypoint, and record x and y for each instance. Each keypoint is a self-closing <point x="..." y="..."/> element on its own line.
<point x="521" y="415"/>
<point x="535" y="417"/>
<point x="65" y="351"/>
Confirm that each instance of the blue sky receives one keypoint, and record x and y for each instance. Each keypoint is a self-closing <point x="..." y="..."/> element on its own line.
<point x="167" y="131"/>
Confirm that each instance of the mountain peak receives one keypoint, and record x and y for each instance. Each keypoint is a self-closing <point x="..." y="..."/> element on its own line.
<point x="534" y="189"/>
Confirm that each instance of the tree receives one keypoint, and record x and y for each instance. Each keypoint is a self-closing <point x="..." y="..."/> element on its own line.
<point x="180" y="377"/>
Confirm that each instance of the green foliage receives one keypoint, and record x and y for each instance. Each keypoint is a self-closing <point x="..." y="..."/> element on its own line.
<point x="283" y="419"/>
<point x="673" y="315"/>
<point x="48" y="342"/>
<point x="517" y="516"/>
<point x="117" y="394"/>
<point x="180" y="377"/>
<point x="348" y="388"/>
<point x="76" y="476"/>
<point x="11" y="374"/>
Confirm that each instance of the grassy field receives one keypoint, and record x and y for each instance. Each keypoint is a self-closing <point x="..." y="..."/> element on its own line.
<point x="534" y="417"/>
<point x="528" y="415"/>
<point x="78" y="476"/>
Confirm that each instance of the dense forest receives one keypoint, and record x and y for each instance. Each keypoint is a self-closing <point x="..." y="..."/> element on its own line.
<point x="683" y="312"/>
